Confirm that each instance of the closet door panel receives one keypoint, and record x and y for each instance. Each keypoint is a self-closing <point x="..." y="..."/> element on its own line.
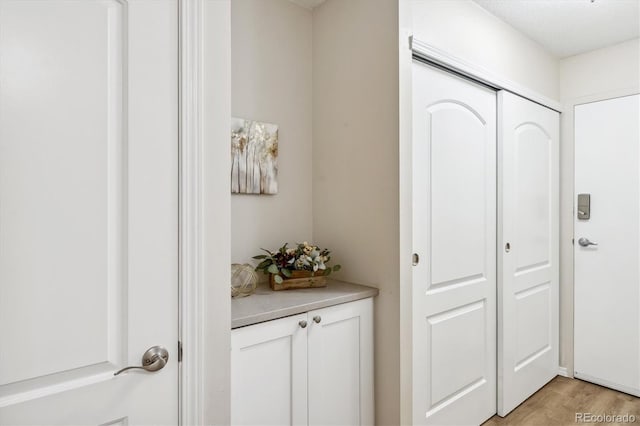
<point x="528" y="261"/>
<point x="455" y="129"/>
<point x="454" y="222"/>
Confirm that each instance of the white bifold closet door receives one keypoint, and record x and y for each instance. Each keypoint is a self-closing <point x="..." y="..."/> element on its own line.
<point x="528" y="218"/>
<point x="454" y="233"/>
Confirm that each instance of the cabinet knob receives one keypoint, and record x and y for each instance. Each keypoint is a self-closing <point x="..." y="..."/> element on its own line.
<point x="302" y="324"/>
<point x="317" y="319"/>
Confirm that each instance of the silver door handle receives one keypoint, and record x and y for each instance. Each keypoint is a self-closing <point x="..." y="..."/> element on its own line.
<point x="154" y="359"/>
<point x="584" y="242"/>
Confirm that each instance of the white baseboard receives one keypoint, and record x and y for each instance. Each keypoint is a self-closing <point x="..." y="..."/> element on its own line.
<point x="562" y="371"/>
<point x="608" y="384"/>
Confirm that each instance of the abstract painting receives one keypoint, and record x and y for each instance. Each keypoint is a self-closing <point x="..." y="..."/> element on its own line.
<point x="254" y="157"/>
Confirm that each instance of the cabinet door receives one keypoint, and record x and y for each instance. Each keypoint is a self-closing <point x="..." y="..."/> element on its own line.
<point x="269" y="373"/>
<point x="340" y="345"/>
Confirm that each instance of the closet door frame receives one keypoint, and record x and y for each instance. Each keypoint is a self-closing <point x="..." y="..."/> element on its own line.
<point x="426" y="52"/>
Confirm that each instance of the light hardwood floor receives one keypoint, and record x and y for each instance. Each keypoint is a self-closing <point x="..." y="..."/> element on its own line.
<point x="558" y="402"/>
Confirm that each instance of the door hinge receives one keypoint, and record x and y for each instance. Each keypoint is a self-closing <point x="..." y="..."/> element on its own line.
<point x="179" y="351"/>
<point x="411" y="42"/>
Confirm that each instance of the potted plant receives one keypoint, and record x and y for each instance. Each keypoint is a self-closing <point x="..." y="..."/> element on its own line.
<point x="302" y="266"/>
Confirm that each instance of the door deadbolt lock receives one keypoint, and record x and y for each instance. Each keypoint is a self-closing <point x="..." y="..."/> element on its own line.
<point x="584" y="206"/>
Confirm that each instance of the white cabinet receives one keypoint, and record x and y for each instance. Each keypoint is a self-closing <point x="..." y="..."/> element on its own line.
<point x="269" y="373"/>
<point x="340" y="370"/>
<point x="314" y="368"/>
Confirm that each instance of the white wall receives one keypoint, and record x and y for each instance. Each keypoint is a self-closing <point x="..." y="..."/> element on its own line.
<point x="356" y="150"/>
<point x="271" y="82"/>
<point x="601" y="74"/>
<point x="466" y="30"/>
<point x="355" y="165"/>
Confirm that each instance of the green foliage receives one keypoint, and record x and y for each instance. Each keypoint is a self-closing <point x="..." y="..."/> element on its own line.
<point x="286" y="272"/>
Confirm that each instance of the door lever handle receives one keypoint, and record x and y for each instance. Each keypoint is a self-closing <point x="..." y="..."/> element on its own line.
<point x="584" y="242"/>
<point x="154" y="359"/>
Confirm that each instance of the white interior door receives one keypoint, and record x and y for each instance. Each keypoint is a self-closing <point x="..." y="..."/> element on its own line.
<point x="607" y="275"/>
<point x="88" y="210"/>
<point x="528" y="143"/>
<point x="454" y="231"/>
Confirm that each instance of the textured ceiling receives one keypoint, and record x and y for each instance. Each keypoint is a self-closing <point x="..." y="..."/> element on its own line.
<point x="569" y="27"/>
<point x="308" y="4"/>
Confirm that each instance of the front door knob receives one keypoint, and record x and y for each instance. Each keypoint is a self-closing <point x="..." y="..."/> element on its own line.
<point x="584" y="242"/>
<point x="154" y="359"/>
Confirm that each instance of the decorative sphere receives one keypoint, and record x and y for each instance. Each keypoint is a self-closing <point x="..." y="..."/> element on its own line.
<point x="244" y="280"/>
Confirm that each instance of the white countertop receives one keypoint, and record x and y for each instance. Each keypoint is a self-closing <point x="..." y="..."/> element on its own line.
<point x="266" y="304"/>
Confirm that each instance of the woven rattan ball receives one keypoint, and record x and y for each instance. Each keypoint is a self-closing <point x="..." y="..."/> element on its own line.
<point x="243" y="280"/>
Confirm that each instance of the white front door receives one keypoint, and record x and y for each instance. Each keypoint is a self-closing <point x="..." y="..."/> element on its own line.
<point x="88" y="210"/>
<point x="607" y="275"/>
<point x="528" y="218"/>
<point x="454" y="234"/>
